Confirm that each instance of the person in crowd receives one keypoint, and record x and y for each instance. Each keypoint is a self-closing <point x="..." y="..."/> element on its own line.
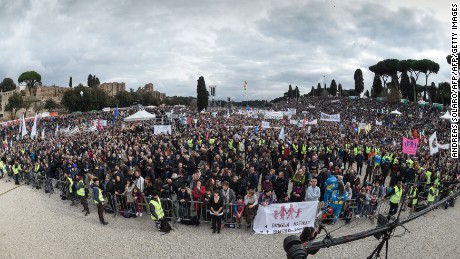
<point x="138" y="201"/>
<point x="313" y="191"/>
<point x="81" y="193"/>
<point x="433" y="192"/>
<point x="395" y="197"/>
<point x="198" y="195"/>
<point x="98" y="200"/>
<point x="156" y="212"/>
<point x="216" y="206"/>
<point x="339" y="196"/>
<point x="265" y="198"/>
<point x="238" y="210"/>
<point x="70" y="188"/>
<point x="298" y="193"/>
<point x="183" y="197"/>
<point x="250" y="203"/>
<point x="331" y="186"/>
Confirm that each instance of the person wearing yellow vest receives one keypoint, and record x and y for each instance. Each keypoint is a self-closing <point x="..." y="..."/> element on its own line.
<point x="2" y="168"/>
<point x="81" y="193"/>
<point x="303" y="151"/>
<point x="157" y="213"/>
<point x="295" y="147"/>
<point x="261" y="142"/>
<point x="16" y="168"/>
<point x="432" y="194"/>
<point x="69" y="188"/>
<point x="395" y="197"/>
<point x="190" y="143"/>
<point x="413" y="198"/>
<point x="99" y="200"/>
<point x="212" y="141"/>
<point x="230" y="144"/>
<point x="428" y="177"/>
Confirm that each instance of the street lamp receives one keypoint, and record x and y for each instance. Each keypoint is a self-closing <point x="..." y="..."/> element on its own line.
<point x="81" y="106"/>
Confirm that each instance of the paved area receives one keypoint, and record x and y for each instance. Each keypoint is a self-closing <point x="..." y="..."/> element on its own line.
<point x="33" y="225"/>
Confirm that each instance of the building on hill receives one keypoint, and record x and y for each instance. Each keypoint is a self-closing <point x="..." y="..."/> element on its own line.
<point x="4" y="99"/>
<point x="51" y="92"/>
<point x="149" y="88"/>
<point x="112" y="88"/>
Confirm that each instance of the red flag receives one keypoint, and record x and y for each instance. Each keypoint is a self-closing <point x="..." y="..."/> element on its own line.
<point x="207" y="136"/>
<point x="415" y="134"/>
<point x="189" y="120"/>
<point x="98" y="124"/>
<point x="305" y="121"/>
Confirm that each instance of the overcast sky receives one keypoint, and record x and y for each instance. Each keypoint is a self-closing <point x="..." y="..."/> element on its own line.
<point x="269" y="44"/>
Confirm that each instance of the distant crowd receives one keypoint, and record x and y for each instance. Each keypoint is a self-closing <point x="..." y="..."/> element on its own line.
<point x="230" y="154"/>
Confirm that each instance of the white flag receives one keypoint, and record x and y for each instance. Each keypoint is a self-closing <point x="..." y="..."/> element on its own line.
<point x="43" y="134"/>
<point x="34" y="128"/>
<point x="57" y="130"/>
<point x="433" y="144"/>
<point x="23" y="130"/>
<point x="282" y="135"/>
<point x="379" y="123"/>
<point x="20" y="127"/>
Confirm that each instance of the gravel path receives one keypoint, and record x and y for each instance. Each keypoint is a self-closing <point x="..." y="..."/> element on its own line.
<point x="35" y="226"/>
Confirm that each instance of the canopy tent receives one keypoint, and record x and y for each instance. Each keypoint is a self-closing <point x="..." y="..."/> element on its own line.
<point x="446" y="116"/>
<point x="140" y="116"/>
<point x="395" y="112"/>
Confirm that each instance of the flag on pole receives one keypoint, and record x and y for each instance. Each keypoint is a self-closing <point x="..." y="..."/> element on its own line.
<point x="20" y="127"/>
<point x="282" y="135"/>
<point x="57" y="130"/>
<point x="33" y="133"/>
<point x="24" y="129"/>
<point x="245" y="85"/>
<point x="434" y="148"/>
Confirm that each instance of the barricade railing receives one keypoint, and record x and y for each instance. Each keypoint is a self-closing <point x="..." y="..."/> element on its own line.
<point x="173" y="209"/>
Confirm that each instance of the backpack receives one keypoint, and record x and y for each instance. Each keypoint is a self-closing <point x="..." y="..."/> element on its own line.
<point x="165" y="226"/>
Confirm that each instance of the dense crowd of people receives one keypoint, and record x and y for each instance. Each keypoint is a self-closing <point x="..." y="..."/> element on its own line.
<point x="216" y="164"/>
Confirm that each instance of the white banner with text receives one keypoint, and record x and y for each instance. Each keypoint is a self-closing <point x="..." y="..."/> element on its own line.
<point x="285" y="217"/>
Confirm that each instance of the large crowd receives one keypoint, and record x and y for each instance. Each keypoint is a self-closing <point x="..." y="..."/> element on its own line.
<point x="221" y="163"/>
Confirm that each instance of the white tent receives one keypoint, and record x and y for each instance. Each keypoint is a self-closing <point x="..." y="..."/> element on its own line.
<point x="446" y="116"/>
<point x="140" y="116"/>
<point x="395" y="112"/>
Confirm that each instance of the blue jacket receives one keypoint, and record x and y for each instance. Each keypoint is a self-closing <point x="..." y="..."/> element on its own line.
<point x="95" y="192"/>
<point x="331" y="183"/>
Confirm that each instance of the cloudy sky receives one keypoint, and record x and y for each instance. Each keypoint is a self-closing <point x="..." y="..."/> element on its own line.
<point x="270" y="44"/>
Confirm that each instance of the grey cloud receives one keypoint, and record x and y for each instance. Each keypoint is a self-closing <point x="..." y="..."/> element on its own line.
<point x="270" y="44"/>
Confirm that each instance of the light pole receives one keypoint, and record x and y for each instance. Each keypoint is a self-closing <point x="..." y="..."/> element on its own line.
<point x="81" y="106"/>
<point x="212" y="89"/>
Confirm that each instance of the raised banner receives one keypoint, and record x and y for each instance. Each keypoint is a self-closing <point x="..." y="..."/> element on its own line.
<point x="313" y="122"/>
<point x="265" y="124"/>
<point x="330" y="117"/>
<point x="285" y="217"/>
<point x="378" y="123"/>
<point x="273" y="116"/>
<point x="409" y="146"/>
<point x="102" y="123"/>
<point x="161" y="129"/>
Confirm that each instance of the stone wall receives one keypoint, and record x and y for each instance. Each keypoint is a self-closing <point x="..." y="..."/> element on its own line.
<point x="112" y="88"/>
